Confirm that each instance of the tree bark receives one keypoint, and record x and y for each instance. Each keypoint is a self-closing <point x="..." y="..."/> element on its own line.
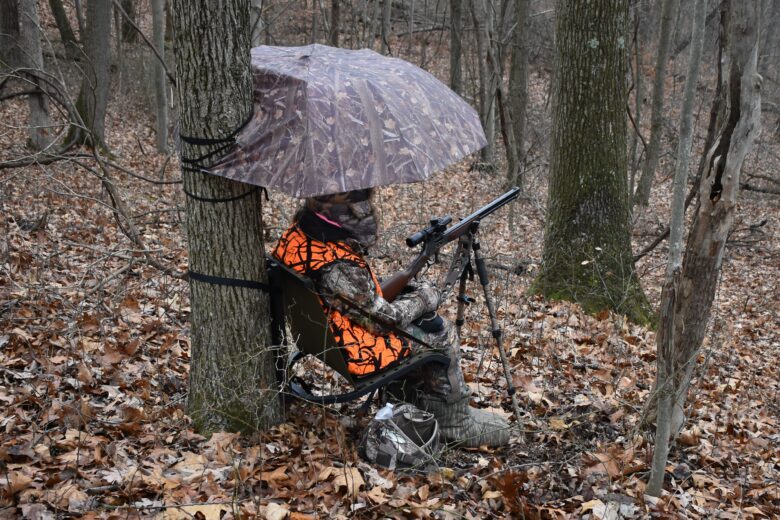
<point x="717" y="196"/>
<point x="9" y="34"/>
<point x="80" y="19"/>
<point x="38" y="123"/>
<point x="587" y="243"/>
<point x="639" y="96"/>
<point x="665" y="338"/>
<point x="232" y="377"/>
<point x="256" y="21"/>
<point x="93" y="96"/>
<point x="487" y="90"/>
<point x="689" y="312"/>
<point x="64" y="28"/>
<point x="456" y="35"/>
<point x="335" y="21"/>
<point x="161" y="100"/>
<point x="518" y="86"/>
<point x="387" y="8"/>
<point x="642" y="195"/>
<point x="128" y="32"/>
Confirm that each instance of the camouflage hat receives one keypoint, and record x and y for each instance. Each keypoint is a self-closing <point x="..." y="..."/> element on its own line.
<point x="406" y="441"/>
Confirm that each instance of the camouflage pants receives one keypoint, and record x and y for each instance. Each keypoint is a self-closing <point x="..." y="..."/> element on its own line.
<point x="433" y="379"/>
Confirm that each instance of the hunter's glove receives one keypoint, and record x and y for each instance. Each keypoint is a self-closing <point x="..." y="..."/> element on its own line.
<point x="429" y="294"/>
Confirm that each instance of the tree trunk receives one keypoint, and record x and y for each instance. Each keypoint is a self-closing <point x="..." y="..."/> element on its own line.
<point x="639" y="98"/>
<point x="80" y="20"/>
<point x="456" y="35"/>
<point x="256" y="21"/>
<point x="232" y="378"/>
<point x="63" y="26"/>
<point x="717" y="196"/>
<point x="665" y="337"/>
<point x="128" y="32"/>
<point x="717" y="204"/>
<point x="93" y="96"/>
<point x="487" y="96"/>
<point x="587" y="242"/>
<point x="518" y="86"/>
<point x="642" y="196"/>
<point x="387" y="8"/>
<point x="161" y="100"/>
<point x="9" y="34"/>
<point x="39" y="123"/>
<point x="335" y="21"/>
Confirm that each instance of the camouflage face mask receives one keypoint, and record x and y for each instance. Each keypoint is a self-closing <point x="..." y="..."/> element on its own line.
<point x="353" y="211"/>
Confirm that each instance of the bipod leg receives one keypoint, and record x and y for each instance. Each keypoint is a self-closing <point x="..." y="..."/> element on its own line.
<point x="484" y="280"/>
<point x="463" y="300"/>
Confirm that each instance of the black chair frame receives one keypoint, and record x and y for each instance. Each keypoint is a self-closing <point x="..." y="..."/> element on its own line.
<point x="294" y="301"/>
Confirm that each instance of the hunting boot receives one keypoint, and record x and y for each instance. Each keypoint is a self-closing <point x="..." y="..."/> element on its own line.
<point x="465" y="426"/>
<point x="445" y="394"/>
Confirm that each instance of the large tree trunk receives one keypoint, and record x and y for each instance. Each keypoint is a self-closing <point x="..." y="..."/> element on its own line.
<point x="93" y="96"/>
<point x="38" y="123"/>
<point x="518" y="86"/>
<point x="587" y="243"/>
<point x="642" y="196"/>
<point x="671" y="288"/>
<point x="456" y="51"/>
<point x="232" y="378"/>
<point x="161" y="100"/>
<point x="9" y="34"/>
<point x="689" y="312"/>
<point x="63" y="26"/>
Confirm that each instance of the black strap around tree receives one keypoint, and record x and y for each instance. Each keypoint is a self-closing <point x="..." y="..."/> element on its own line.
<point x="230" y="282"/>
<point x="195" y="164"/>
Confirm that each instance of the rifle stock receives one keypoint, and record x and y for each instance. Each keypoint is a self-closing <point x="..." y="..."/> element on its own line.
<point x="435" y="237"/>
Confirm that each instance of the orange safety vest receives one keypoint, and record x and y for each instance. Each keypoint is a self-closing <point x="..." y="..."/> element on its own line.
<point x="366" y="352"/>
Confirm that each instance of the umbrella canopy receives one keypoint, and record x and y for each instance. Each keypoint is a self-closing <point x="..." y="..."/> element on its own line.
<point x="329" y="120"/>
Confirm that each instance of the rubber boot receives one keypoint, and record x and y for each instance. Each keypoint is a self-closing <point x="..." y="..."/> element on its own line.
<point x="465" y="426"/>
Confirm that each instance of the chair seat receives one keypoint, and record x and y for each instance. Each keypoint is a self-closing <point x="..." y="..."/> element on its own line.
<point x="294" y="301"/>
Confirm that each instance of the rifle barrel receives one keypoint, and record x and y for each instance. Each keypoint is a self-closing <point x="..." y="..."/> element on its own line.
<point x="483" y="212"/>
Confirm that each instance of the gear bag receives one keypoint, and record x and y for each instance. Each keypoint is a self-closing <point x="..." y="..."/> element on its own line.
<point x="402" y="437"/>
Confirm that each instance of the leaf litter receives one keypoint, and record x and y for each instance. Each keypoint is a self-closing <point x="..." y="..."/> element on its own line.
<point x="94" y="357"/>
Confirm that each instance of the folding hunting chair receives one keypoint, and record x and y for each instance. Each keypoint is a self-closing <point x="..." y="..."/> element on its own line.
<point x="295" y="301"/>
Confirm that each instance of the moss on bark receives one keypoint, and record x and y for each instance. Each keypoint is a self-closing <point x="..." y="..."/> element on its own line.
<point x="587" y="245"/>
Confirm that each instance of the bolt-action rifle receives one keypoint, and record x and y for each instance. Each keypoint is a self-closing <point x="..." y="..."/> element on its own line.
<point x="437" y="235"/>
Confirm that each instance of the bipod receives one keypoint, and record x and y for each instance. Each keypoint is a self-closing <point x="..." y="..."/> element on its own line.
<point x="462" y="270"/>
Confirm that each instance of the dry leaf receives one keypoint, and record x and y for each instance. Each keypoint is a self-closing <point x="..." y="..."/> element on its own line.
<point x="274" y="511"/>
<point x="349" y="478"/>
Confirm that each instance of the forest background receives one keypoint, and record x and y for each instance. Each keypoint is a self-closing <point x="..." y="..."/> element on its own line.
<point x="94" y="303"/>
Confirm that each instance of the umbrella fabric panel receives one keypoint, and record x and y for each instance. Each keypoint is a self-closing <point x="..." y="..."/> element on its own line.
<point x="330" y="120"/>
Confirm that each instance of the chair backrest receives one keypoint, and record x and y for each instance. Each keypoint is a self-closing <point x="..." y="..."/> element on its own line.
<point x="307" y="318"/>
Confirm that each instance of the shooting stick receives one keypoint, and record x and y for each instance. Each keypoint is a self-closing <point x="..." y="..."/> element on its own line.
<point x="463" y="270"/>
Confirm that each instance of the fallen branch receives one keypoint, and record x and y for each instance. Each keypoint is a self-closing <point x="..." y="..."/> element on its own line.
<point x="751" y="187"/>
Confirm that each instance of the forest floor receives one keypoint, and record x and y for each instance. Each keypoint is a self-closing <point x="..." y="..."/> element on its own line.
<point x="94" y="357"/>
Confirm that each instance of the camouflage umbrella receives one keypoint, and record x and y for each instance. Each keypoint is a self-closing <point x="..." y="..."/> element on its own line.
<point x="328" y="120"/>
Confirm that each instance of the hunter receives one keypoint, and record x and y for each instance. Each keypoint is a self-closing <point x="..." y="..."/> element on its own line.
<point x="327" y="243"/>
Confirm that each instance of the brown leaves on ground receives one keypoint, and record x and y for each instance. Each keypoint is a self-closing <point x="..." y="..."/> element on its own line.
<point x="94" y="356"/>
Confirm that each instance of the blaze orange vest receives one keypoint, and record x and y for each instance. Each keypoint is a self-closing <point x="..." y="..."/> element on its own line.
<point x="366" y="352"/>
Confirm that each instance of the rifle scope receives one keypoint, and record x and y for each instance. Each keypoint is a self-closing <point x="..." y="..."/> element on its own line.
<point x="437" y="226"/>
